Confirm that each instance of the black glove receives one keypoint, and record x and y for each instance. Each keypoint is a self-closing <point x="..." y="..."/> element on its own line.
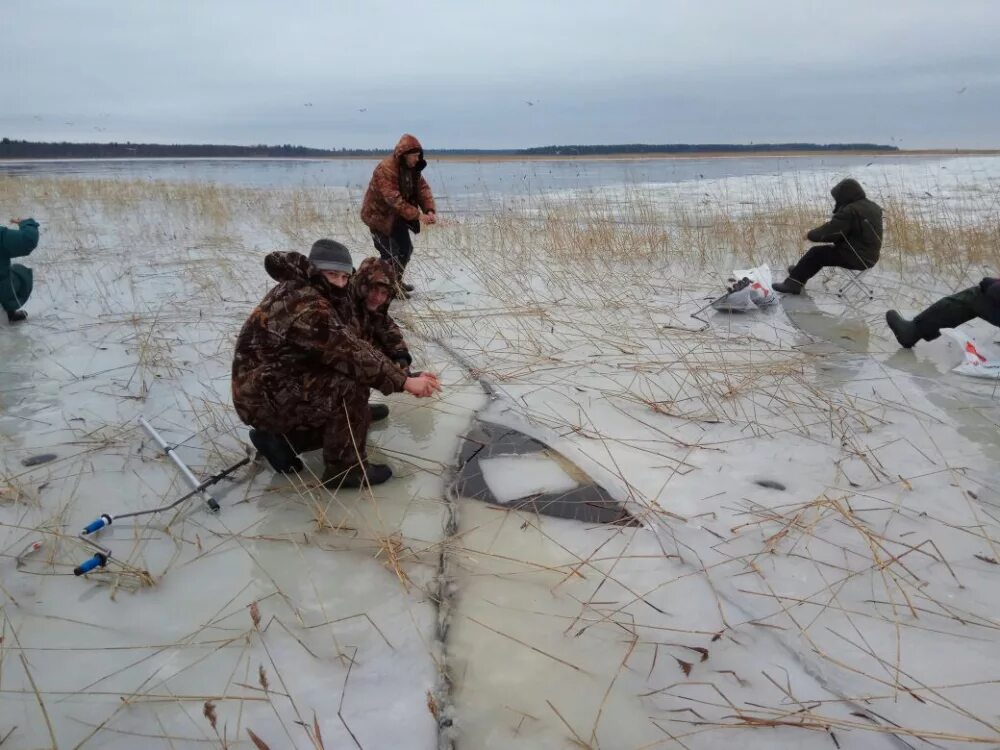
<point x="403" y="360"/>
<point x="986" y="283"/>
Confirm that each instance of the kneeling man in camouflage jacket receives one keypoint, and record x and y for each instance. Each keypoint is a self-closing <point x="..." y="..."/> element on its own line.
<point x="309" y="355"/>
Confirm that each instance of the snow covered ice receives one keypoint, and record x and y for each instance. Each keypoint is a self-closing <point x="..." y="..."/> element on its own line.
<point x="853" y="609"/>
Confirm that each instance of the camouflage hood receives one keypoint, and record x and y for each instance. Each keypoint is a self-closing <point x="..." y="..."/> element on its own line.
<point x="371" y="272"/>
<point x="408" y="143"/>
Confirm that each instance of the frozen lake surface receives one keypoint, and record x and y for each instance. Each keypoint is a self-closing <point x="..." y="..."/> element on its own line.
<point x="855" y="608"/>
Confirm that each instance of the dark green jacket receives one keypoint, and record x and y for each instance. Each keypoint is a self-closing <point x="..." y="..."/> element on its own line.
<point x="856" y="226"/>
<point x="15" y="279"/>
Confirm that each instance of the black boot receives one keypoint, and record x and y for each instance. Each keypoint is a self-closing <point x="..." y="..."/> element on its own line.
<point x="378" y="411"/>
<point x="276" y="450"/>
<point x="904" y="330"/>
<point x="789" y="286"/>
<point x="335" y="477"/>
<point x="16" y="316"/>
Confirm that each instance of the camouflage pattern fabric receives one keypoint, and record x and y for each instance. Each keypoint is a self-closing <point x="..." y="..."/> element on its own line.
<point x="397" y="191"/>
<point x="302" y="366"/>
<point x="377" y="326"/>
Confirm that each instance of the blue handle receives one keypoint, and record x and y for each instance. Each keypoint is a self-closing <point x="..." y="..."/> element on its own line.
<point x="100" y="523"/>
<point x="97" y="561"/>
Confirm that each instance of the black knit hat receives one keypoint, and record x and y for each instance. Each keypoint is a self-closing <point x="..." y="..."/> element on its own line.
<point x="330" y="255"/>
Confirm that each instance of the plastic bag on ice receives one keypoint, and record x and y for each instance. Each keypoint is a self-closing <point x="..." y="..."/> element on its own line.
<point x="752" y="290"/>
<point x="976" y="364"/>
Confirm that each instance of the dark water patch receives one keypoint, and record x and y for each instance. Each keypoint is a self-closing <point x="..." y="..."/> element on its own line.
<point x="770" y="484"/>
<point x="588" y="502"/>
<point x="41" y="458"/>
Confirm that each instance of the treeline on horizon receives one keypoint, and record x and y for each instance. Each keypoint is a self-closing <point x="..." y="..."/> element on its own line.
<point x="686" y="148"/>
<point x="15" y="149"/>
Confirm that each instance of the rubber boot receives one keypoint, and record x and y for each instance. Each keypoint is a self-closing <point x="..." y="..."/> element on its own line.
<point x="16" y="316"/>
<point x="378" y="411"/>
<point x="789" y="286"/>
<point x="335" y="477"/>
<point x="276" y="450"/>
<point x="905" y="331"/>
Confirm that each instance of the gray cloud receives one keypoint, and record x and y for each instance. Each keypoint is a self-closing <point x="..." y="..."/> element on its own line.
<point x="921" y="73"/>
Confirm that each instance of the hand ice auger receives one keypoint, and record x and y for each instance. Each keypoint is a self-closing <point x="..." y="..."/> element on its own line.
<point x="103" y="554"/>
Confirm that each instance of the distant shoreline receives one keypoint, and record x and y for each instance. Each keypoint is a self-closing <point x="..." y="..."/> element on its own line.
<point x="431" y="156"/>
<point x="710" y="155"/>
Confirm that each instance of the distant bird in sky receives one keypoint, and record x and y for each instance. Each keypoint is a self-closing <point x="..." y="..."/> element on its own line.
<point x="531" y="104"/>
<point x="307" y="104"/>
<point x="962" y="90"/>
<point x="363" y="109"/>
<point x="869" y="164"/>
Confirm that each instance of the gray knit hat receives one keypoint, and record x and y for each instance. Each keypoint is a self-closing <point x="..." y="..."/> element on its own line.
<point x="330" y="255"/>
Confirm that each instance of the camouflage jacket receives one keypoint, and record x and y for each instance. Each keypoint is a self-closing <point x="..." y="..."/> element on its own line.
<point x="301" y="333"/>
<point x="396" y="191"/>
<point x="377" y="327"/>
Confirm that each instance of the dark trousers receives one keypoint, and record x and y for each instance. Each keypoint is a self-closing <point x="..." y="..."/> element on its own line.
<point x="396" y="247"/>
<point x="953" y="310"/>
<point x="821" y="256"/>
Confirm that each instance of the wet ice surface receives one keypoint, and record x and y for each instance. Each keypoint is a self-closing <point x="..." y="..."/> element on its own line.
<point x="853" y="609"/>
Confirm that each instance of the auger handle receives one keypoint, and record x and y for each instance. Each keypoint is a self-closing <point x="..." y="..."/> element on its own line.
<point x="100" y="523"/>
<point x="97" y="561"/>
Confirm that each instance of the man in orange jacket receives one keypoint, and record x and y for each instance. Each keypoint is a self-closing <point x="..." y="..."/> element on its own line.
<point x="397" y="202"/>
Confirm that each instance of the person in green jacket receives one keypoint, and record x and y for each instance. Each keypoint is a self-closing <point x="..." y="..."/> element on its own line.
<point x="15" y="279"/>
<point x="853" y="238"/>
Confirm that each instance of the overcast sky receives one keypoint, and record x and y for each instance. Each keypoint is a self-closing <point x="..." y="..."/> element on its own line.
<point x="357" y="73"/>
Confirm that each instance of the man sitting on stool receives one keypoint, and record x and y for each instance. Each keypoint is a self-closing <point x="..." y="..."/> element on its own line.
<point x="855" y="234"/>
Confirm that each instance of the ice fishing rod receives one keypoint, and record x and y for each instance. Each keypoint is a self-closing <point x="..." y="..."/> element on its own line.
<point x="103" y="554"/>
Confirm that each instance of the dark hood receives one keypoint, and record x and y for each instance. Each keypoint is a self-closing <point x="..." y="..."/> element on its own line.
<point x="372" y="271"/>
<point x="408" y="143"/>
<point x="295" y="267"/>
<point x="847" y="191"/>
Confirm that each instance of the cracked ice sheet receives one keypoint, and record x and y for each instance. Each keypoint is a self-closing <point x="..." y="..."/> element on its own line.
<point x="811" y="568"/>
<point x="636" y="413"/>
<point x="148" y="330"/>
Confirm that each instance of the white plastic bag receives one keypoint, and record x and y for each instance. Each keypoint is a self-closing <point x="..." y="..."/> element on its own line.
<point x="758" y="293"/>
<point x="976" y="364"/>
